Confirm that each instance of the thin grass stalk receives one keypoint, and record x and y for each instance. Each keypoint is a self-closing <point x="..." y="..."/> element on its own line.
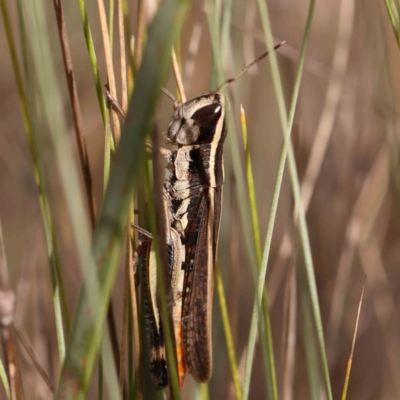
<point x="360" y="223"/>
<point x="59" y="299"/>
<point x="309" y="337"/>
<point x="178" y="77"/>
<point x="110" y="68"/>
<point x="140" y="34"/>
<point x="286" y="125"/>
<point x="7" y="310"/>
<point x="353" y="344"/>
<point x="135" y="327"/>
<point x="250" y="187"/>
<point x="265" y="329"/>
<point x="4" y="379"/>
<point x="124" y="177"/>
<point x="111" y="8"/>
<point x="107" y="45"/>
<point x="127" y="35"/>
<point x="63" y="152"/>
<point x="289" y="335"/>
<point x="225" y="27"/>
<point x="265" y="326"/>
<point x="191" y="53"/>
<point x="35" y="361"/>
<point x="372" y="262"/>
<point x="228" y="333"/>
<point x="95" y="69"/>
<point x="122" y="47"/>
<point x="76" y="111"/>
<point x="271" y="221"/>
<point x="331" y="102"/>
<point x="61" y="318"/>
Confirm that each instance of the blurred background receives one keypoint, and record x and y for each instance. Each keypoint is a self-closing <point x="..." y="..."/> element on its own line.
<point x="346" y="143"/>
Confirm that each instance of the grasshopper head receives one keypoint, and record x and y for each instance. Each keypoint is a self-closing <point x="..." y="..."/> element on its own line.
<point x="198" y="121"/>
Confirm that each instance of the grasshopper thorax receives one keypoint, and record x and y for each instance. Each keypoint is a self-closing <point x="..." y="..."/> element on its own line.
<point x="197" y="121"/>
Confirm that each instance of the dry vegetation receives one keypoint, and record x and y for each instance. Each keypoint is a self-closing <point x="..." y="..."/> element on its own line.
<point x="345" y="138"/>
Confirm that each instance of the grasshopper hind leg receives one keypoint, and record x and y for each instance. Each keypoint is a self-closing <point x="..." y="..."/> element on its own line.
<point x="147" y="263"/>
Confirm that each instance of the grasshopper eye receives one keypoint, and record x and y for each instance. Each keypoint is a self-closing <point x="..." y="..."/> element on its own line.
<point x="207" y="116"/>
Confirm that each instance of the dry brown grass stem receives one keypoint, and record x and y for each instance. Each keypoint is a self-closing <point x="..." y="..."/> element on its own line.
<point x="178" y="77"/>
<point x="129" y="253"/>
<point x="384" y="304"/>
<point x="193" y="49"/>
<point x="34" y="359"/>
<point x="110" y="67"/>
<point x="370" y="198"/>
<point x="289" y="336"/>
<point x="353" y="344"/>
<point x="76" y="111"/>
<point x="141" y="26"/>
<point x="249" y="53"/>
<point x="332" y="100"/>
<point x="122" y="47"/>
<point x="329" y="110"/>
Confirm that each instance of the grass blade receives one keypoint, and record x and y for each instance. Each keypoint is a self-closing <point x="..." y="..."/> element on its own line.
<point x="34" y="360"/>
<point x="124" y="177"/>
<point x="309" y="337"/>
<point x="394" y="18"/>
<point x="228" y="333"/>
<point x="287" y="123"/>
<point x="274" y="206"/>
<point x="76" y="112"/>
<point x="350" y="360"/>
<point x="95" y="69"/>
<point x="60" y="308"/>
<point x="265" y="329"/>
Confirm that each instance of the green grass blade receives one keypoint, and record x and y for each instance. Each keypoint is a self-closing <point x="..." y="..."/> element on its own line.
<point x="124" y="176"/>
<point x="63" y="153"/>
<point x="394" y="18"/>
<point x="228" y="333"/>
<point x="61" y="318"/>
<point x="286" y="124"/>
<point x="265" y="329"/>
<point x="95" y="69"/>
<point x="309" y="337"/>
<point x="4" y="379"/>
<point x="274" y="205"/>
<point x="265" y="326"/>
<point x="250" y="187"/>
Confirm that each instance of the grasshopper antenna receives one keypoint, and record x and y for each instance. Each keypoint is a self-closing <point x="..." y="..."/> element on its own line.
<point x="172" y="97"/>
<point x="230" y="80"/>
